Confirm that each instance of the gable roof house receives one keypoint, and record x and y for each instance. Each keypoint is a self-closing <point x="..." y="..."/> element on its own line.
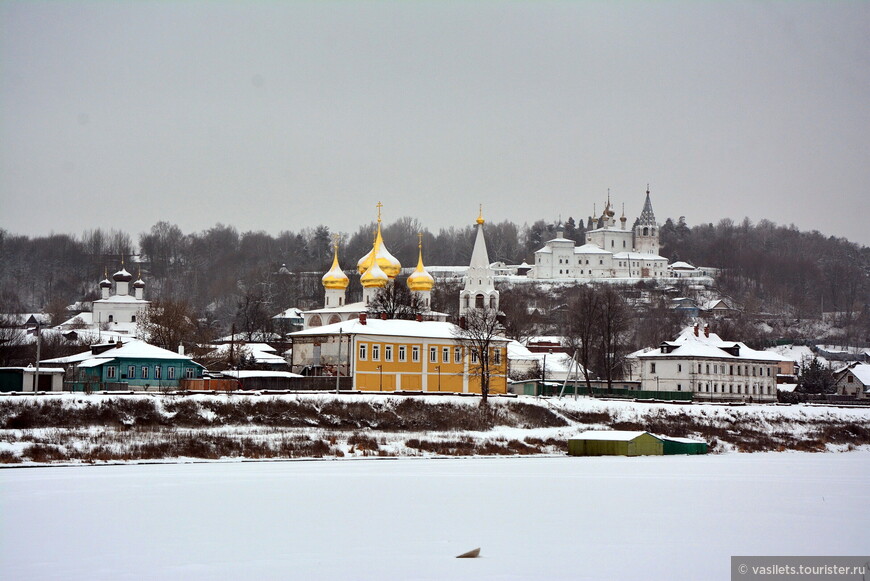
<point x="123" y="366"/>
<point x="854" y="380"/>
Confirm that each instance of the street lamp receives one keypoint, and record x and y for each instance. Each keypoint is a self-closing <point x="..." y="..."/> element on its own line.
<point x="380" y="378"/>
<point x="438" y="369"/>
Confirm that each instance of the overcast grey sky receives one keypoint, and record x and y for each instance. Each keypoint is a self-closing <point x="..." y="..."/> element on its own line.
<point x="282" y="115"/>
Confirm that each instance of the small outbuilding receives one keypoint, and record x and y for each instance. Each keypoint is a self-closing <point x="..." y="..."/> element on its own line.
<point x="673" y="446"/>
<point x="615" y="443"/>
<point x="23" y="378"/>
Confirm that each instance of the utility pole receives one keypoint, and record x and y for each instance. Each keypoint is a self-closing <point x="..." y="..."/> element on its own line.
<point x="38" y="345"/>
<point x="338" y="363"/>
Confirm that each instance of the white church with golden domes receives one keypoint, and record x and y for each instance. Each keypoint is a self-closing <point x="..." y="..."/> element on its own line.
<point x="378" y="269"/>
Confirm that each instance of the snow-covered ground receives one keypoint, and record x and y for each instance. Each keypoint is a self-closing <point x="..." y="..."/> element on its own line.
<point x="533" y="518"/>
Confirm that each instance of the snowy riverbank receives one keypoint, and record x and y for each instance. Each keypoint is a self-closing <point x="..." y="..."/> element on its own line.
<point x="99" y="428"/>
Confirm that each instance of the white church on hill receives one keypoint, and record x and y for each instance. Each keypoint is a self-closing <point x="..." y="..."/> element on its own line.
<point x="610" y="251"/>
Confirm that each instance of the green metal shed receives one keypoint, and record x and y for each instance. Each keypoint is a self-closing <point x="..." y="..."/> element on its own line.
<point x="615" y="443"/>
<point x="682" y="446"/>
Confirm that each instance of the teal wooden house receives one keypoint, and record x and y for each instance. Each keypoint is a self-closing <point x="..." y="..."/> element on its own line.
<point x="134" y="365"/>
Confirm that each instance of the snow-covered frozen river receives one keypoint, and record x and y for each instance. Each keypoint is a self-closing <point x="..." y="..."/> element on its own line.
<point x="533" y="518"/>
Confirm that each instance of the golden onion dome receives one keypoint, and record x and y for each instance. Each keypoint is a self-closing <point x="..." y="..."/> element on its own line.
<point x="379" y="253"/>
<point x="335" y="278"/>
<point x="420" y="280"/>
<point x="480" y="219"/>
<point x="374" y="277"/>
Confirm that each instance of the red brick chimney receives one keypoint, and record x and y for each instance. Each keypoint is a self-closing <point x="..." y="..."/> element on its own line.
<point x="383" y="316"/>
<point x="419" y="318"/>
<point x="362" y="318"/>
<point x="706" y="329"/>
<point x="696" y="329"/>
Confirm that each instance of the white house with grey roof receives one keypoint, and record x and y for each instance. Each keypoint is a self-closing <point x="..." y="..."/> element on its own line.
<point x="713" y="369"/>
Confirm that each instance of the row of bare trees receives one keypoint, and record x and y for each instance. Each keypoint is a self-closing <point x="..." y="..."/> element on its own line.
<point x="228" y="277"/>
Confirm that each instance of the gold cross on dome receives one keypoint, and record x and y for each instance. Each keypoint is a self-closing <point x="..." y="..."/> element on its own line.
<point x="379" y="205"/>
<point x="420" y="240"/>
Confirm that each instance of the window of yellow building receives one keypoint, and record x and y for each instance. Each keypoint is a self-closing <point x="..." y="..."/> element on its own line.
<point x="363" y="352"/>
<point x="415" y="353"/>
<point x="433" y="354"/>
<point x="403" y="356"/>
<point x="388" y="352"/>
<point x="457" y="355"/>
<point x="445" y="355"/>
<point x="376" y="352"/>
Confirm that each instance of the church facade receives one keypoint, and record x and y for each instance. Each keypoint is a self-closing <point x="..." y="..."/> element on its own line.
<point x="611" y="250"/>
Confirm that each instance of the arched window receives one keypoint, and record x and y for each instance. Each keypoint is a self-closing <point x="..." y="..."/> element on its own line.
<point x="478" y="302"/>
<point x="645" y="231"/>
<point x="334" y="319"/>
<point x="465" y="301"/>
<point x="133" y="319"/>
<point x="111" y="318"/>
<point x="491" y="301"/>
<point x="315" y="321"/>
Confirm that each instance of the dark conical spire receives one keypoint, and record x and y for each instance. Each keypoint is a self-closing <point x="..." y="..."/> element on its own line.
<point x="647" y="217"/>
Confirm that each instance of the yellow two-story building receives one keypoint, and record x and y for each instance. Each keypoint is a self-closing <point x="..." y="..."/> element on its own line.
<point x="399" y="355"/>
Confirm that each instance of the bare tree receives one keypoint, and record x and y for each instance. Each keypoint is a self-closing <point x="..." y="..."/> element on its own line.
<point x="581" y="329"/>
<point x="396" y="301"/>
<point x="477" y="331"/>
<point x="615" y="324"/>
<point x="519" y="324"/>
<point x="167" y="324"/>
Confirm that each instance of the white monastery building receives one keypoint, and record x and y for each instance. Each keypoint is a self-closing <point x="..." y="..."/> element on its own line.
<point x="610" y="251"/>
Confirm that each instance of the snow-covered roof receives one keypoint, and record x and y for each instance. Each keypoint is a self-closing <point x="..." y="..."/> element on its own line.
<point x="291" y="313"/>
<point x="261" y="352"/>
<point x="608" y="435"/>
<point x="133" y="349"/>
<point x="358" y="307"/>
<point x="517" y="351"/>
<point x="589" y="249"/>
<point x="257" y="373"/>
<point x="862" y="373"/>
<point x="389" y="327"/>
<point x="608" y="229"/>
<point x="680" y="265"/>
<point x="557" y="339"/>
<point x="32" y="369"/>
<point x="679" y="440"/>
<point x="639" y="256"/>
<point x="123" y="299"/>
<point x="687" y="344"/>
<point x="95" y="362"/>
